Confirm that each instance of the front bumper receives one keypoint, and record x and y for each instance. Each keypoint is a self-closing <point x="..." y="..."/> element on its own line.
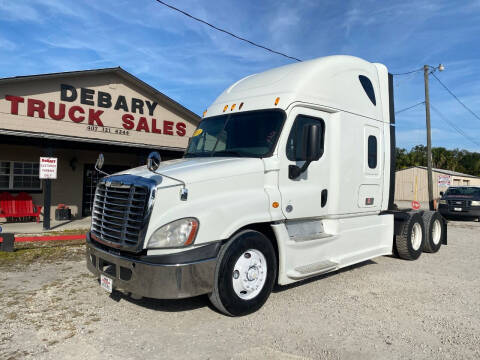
<point x="466" y="213"/>
<point x="157" y="277"/>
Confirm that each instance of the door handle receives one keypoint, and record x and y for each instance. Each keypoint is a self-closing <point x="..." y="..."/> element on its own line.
<point x="324" y="197"/>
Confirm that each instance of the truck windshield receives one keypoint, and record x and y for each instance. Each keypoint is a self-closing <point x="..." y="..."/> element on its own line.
<point x="246" y="134"/>
<point x="466" y="191"/>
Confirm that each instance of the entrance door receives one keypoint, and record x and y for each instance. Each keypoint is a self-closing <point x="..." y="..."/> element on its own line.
<point x="307" y="195"/>
<point x="90" y="181"/>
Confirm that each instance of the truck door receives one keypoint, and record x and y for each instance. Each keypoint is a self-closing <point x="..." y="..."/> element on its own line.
<point x="307" y="195"/>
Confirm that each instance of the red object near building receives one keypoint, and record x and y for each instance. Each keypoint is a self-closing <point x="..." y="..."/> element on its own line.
<point x="415" y="205"/>
<point x="19" y="206"/>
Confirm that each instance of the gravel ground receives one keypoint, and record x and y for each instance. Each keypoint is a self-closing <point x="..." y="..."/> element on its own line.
<point x="384" y="308"/>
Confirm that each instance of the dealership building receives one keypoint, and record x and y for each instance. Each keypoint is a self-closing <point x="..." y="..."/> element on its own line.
<point x="412" y="183"/>
<point x="74" y="116"/>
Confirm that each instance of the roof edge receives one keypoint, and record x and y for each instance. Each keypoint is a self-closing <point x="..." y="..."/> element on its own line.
<point x="114" y="70"/>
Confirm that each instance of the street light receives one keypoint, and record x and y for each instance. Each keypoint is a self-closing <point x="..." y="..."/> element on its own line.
<point x="427" y="69"/>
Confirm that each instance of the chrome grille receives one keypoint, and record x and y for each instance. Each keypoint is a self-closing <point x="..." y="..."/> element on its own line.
<point x="459" y="203"/>
<point x="119" y="212"/>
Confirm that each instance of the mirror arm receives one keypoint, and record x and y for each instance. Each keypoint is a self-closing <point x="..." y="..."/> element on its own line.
<point x="183" y="190"/>
<point x="294" y="171"/>
<point x="100" y="171"/>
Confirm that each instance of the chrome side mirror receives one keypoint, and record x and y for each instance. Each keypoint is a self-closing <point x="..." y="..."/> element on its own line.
<point x="99" y="162"/>
<point x="153" y="161"/>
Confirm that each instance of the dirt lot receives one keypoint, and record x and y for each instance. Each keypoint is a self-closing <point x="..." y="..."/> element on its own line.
<point x="51" y="308"/>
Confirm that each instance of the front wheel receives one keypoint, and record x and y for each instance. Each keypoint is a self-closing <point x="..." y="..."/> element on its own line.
<point x="245" y="274"/>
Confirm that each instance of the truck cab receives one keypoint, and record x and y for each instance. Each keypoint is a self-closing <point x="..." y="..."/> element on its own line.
<point x="289" y="175"/>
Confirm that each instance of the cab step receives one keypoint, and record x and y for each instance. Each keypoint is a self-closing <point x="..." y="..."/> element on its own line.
<point x="317" y="268"/>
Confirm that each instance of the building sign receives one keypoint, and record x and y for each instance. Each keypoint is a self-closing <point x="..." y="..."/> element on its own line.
<point x="48" y="168"/>
<point x="108" y="110"/>
<point x="444" y="180"/>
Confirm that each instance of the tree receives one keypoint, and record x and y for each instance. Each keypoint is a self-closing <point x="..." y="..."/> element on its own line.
<point x="456" y="160"/>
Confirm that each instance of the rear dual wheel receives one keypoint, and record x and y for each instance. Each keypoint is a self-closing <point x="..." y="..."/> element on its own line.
<point x="409" y="244"/>
<point x="245" y="274"/>
<point x="435" y="234"/>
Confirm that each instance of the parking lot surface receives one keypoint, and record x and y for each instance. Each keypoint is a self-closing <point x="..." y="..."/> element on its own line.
<point x="385" y="308"/>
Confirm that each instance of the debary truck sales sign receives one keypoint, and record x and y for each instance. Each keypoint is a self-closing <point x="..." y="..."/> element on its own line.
<point x="108" y="110"/>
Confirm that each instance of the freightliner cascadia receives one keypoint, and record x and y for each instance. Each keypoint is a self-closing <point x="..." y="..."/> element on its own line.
<point x="290" y="174"/>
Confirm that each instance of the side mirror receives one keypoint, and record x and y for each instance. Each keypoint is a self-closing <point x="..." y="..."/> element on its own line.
<point x="311" y="142"/>
<point x="311" y="138"/>
<point x="153" y="161"/>
<point x="99" y="162"/>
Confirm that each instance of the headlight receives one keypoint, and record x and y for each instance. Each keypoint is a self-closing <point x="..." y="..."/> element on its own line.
<point x="475" y="203"/>
<point x="178" y="233"/>
<point x="443" y="202"/>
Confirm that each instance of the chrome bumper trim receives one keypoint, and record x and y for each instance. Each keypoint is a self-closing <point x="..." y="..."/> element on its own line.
<point x="153" y="280"/>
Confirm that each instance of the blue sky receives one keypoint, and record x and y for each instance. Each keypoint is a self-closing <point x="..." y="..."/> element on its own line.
<point x="192" y="64"/>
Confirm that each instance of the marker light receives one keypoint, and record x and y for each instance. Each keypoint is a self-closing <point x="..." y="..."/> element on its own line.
<point x="240" y="106"/>
<point x="225" y="108"/>
<point x="275" y="204"/>
<point x="233" y="107"/>
<point x="276" y="101"/>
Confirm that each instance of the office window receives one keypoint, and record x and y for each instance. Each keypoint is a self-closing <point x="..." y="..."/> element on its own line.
<point x="21" y="176"/>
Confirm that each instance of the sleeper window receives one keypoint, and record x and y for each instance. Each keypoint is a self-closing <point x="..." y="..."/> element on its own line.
<point x="368" y="87"/>
<point x="372" y="152"/>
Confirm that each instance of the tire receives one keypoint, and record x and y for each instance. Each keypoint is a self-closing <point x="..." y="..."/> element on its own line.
<point x="229" y="294"/>
<point x="434" y="228"/>
<point x="409" y="243"/>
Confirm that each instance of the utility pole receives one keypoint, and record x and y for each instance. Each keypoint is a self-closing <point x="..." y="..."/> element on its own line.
<point x="426" y="70"/>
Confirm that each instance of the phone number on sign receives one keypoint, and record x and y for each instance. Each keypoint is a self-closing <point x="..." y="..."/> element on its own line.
<point x="107" y="130"/>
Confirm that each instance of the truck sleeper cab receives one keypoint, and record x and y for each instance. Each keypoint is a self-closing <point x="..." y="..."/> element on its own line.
<point x="289" y="175"/>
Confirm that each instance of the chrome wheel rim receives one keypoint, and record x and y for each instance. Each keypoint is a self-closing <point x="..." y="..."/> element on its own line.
<point x="436" y="231"/>
<point x="249" y="274"/>
<point x="416" y="236"/>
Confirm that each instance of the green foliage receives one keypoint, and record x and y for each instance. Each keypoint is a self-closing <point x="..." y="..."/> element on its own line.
<point x="457" y="160"/>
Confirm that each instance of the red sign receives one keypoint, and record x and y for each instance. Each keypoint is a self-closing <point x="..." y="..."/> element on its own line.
<point x="415" y="205"/>
<point x="87" y="114"/>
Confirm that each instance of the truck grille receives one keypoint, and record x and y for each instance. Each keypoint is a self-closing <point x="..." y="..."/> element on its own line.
<point x="459" y="203"/>
<point x="119" y="212"/>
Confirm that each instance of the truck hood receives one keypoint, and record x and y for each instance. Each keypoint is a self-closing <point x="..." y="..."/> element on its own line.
<point x="193" y="170"/>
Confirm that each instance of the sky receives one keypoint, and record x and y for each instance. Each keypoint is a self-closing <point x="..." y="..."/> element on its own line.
<point x="193" y="64"/>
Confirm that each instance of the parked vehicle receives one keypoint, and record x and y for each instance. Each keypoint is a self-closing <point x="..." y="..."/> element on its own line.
<point x="289" y="175"/>
<point x="460" y="202"/>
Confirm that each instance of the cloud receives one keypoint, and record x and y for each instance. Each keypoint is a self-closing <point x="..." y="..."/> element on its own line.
<point x="193" y="63"/>
<point x="18" y="11"/>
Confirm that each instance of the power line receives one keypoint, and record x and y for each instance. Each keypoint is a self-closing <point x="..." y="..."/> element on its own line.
<point x="455" y="127"/>
<point x="456" y="97"/>
<point x="410" y="107"/>
<point x="408" y="72"/>
<point x="225" y="31"/>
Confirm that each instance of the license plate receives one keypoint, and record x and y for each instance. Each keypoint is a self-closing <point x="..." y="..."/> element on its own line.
<point x="106" y="283"/>
<point x="457" y="209"/>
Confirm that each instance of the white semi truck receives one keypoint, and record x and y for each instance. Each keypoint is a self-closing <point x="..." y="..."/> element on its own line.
<point x="289" y="175"/>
